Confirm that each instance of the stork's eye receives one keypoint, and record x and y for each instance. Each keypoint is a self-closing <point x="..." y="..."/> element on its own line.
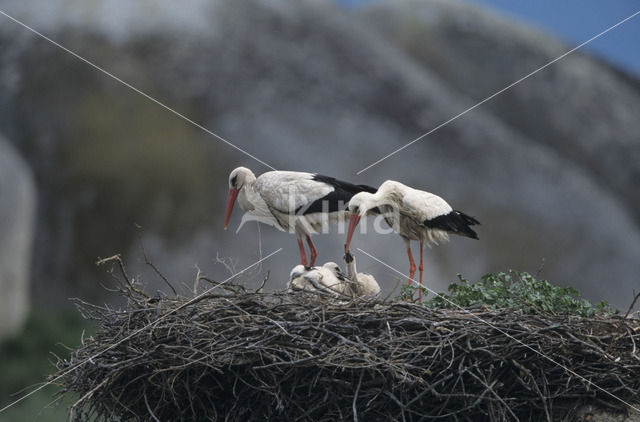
<point x="355" y="209"/>
<point x="234" y="179"/>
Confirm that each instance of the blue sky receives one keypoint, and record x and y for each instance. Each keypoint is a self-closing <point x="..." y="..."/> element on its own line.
<point x="575" y="21"/>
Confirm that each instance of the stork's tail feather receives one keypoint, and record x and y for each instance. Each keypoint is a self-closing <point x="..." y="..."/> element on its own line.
<point x="455" y="222"/>
<point x="471" y="221"/>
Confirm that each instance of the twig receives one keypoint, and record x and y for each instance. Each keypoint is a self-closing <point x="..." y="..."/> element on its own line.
<point x="227" y="265"/>
<point x="146" y="402"/>
<point x="155" y="269"/>
<point x="196" y="282"/>
<point x="633" y="303"/>
<point x="392" y="290"/>
<point x="85" y="397"/>
<point x="355" y="398"/>
<point x="264" y="281"/>
<point x="123" y="271"/>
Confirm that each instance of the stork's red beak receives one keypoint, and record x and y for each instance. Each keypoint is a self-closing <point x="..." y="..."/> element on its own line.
<point x="353" y="223"/>
<point x="231" y="200"/>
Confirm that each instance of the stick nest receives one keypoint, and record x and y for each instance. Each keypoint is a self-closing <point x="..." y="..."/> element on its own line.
<point x="242" y="356"/>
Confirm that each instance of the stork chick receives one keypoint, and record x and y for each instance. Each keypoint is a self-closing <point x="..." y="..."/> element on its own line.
<point x="363" y="284"/>
<point x="327" y="279"/>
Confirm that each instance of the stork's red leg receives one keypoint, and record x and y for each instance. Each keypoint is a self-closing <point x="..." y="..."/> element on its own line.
<point x="421" y="268"/>
<point x="412" y="264"/>
<point x="303" y="254"/>
<point x="313" y="253"/>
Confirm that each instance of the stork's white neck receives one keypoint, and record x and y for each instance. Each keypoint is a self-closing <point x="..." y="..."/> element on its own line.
<point x="248" y="198"/>
<point x="352" y="272"/>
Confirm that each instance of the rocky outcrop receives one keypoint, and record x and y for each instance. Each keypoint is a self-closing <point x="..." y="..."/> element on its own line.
<point x="17" y="208"/>
<point x="583" y="109"/>
<point x="548" y="167"/>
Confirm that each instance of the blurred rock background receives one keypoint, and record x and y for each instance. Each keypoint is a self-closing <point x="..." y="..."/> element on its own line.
<point x="550" y="167"/>
<point x="16" y="225"/>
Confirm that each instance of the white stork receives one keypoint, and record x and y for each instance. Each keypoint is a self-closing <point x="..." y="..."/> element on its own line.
<point x="297" y="202"/>
<point x="327" y="279"/>
<point x="363" y="284"/>
<point x="414" y="215"/>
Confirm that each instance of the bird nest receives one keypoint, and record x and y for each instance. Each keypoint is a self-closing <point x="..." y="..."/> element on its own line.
<point x="240" y="355"/>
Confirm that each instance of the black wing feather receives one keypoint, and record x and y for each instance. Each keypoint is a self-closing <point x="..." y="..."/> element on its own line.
<point x="454" y="222"/>
<point x="336" y="200"/>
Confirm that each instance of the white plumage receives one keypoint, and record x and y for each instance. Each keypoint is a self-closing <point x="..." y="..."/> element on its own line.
<point x="330" y="279"/>
<point x="326" y="279"/>
<point x="297" y="202"/>
<point x="288" y="192"/>
<point x="414" y="215"/>
<point x="363" y="284"/>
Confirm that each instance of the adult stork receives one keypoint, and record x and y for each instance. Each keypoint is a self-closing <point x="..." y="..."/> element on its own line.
<point x="298" y="202"/>
<point x="413" y="214"/>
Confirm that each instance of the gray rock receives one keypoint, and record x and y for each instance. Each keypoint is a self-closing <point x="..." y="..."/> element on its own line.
<point x="581" y="108"/>
<point x="305" y="86"/>
<point x="17" y="209"/>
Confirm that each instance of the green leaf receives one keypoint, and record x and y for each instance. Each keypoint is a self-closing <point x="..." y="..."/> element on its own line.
<point x="517" y="290"/>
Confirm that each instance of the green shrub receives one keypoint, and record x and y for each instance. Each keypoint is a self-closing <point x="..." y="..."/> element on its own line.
<point x="514" y="289"/>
